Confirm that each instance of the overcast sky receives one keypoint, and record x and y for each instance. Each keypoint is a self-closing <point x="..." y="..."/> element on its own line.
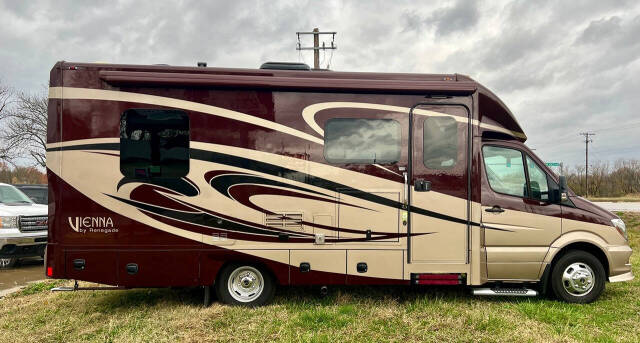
<point x="563" y="67"/>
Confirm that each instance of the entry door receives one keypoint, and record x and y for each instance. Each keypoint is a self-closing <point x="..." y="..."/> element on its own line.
<point x="439" y="185"/>
<point x="519" y="221"/>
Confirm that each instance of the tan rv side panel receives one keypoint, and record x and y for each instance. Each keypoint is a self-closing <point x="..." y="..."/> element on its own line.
<point x="333" y="261"/>
<point x="386" y="264"/>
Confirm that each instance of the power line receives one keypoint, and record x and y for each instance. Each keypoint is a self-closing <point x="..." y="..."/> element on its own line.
<point x="587" y="140"/>
<point x="316" y="44"/>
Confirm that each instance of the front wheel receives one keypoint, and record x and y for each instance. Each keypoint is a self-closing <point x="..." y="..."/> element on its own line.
<point x="6" y="263"/>
<point x="244" y="285"/>
<point x="578" y="277"/>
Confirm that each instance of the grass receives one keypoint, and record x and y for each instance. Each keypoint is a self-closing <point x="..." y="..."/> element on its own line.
<point x="626" y="198"/>
<point x="363" y="314"/>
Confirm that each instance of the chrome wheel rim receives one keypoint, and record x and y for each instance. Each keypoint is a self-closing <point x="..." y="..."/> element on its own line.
<point x="5" y="262"/>
<point x="245" y="284"/>
<point x="578" y="279"/>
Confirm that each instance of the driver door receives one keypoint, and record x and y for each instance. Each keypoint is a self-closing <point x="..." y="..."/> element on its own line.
<point x="519" y="220"/>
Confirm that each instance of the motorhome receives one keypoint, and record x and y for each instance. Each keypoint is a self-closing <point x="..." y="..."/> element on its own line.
<point x="245" y="179"/>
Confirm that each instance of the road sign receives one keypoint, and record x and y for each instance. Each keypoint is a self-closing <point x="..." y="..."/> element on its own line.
<point x="553" y="164"/>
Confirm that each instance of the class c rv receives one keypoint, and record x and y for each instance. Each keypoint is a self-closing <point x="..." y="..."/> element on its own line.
<point x="240" y="180"/>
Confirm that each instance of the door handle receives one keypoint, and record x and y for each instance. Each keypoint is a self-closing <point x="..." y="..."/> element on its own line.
<point x="495" y="209"/>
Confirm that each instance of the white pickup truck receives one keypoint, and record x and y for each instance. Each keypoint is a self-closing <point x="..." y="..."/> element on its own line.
<point x="23" y="226"/>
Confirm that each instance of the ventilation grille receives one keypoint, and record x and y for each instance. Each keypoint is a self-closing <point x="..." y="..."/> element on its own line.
<point x="284" y="220"/>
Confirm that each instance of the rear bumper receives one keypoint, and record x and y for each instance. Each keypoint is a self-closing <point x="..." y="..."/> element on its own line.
<point x="23" y="246"/>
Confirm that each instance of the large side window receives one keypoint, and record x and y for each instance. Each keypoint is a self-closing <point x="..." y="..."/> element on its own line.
<point x="154" y="143"/>
<point x="537" y="181"/>
<point x="363" y="141"/>
<point x="505" y="170"/>
<point x="440" y="142"/>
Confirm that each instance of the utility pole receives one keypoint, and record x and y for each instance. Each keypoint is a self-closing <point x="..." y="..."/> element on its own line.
<point x="316" y="44"/>
<point x="587" y="140"/>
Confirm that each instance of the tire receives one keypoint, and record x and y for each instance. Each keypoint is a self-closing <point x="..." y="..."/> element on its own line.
<point x="244" y="285"/>
<point x="578" y="277"/>
<point x="6" y="263"/>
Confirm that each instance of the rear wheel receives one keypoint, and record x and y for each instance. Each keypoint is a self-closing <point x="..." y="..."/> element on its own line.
<point x="578" y="277"/>
<point x="6" y="263"/>
<point x="244" y="285"/>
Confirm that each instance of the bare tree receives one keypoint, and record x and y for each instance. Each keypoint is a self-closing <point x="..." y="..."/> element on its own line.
<point x="7" y="149"/>
<point x="26" y="126"/>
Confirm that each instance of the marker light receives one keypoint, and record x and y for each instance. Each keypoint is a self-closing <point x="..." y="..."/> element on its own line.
<point x="49" y="271"/>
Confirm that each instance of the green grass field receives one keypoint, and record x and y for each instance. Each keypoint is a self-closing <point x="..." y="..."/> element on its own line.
<point x="626" y="198"/>
<point x="369" y="314"/>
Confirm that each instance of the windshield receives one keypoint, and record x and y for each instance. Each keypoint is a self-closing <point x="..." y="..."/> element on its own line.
<point x="11" y="195"/>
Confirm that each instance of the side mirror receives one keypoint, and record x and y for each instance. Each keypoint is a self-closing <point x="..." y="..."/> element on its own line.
<point x="563" y="188"/>
<point x="563" y="183"/>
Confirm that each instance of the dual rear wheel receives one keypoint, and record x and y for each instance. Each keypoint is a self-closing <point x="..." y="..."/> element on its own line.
<point x="245" y="285"/>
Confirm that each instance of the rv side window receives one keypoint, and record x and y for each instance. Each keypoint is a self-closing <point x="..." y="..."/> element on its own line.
<point x="154" y="143"/>
<point x="363" y="141"/>
<point x="505" y="170"/>
<point x="440" y="142"/>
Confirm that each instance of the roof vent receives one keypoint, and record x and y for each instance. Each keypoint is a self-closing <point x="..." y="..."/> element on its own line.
<point x="285" y="66"/>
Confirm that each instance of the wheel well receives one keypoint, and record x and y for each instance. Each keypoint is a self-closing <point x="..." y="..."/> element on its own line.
<point x="587" y="247"/>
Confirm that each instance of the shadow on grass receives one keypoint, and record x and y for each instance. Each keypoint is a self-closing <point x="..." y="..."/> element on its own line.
<point x="301" y="296"/>
<point x="149" y="297"/>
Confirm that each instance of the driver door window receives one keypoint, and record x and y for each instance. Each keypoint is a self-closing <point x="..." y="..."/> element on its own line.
<point x="505" y="170"/>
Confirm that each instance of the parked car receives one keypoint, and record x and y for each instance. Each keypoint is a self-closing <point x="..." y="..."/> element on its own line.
<point x="37" y="193"/>
<point x="23" y="226"/>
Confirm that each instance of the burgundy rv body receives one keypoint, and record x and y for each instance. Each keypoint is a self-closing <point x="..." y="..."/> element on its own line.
<point x="245" y="178"/>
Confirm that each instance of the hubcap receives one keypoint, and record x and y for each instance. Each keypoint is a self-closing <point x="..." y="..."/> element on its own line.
<point x="245" y="284"/>
<point x="578" y="279"/>
<point x="5" y="262"/>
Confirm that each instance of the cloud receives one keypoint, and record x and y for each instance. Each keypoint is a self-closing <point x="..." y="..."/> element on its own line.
<point x="561" y="66"/>
<point x="459" y="17"/>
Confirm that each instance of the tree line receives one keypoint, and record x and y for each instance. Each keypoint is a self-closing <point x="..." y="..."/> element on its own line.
<point x="606" y="179"/>
<point x="21" y="175"/>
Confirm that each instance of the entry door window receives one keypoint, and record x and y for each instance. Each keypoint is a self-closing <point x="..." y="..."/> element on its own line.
<point x="505" y="170"/>
<point x="440" y="143"/>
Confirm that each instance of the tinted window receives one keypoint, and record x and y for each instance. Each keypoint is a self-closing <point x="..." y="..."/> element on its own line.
<point x="505" y="170"/>
<point x="154" y="143"/>
<point x="440" y="142"/>
<point x="38" y="195"/>
<point x="348" y="140"/>
<point x="537" y="181"/>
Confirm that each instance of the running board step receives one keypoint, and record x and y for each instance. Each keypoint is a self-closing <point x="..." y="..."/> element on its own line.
<point x="76" y="287"/>
<point x="514" y="292"/>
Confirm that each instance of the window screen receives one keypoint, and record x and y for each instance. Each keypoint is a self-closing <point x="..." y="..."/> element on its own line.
<point x="440" y="142"/>
<point x="154" y="143"/>
<point x="365" y="141"/>
<point x="505" y="170"/>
